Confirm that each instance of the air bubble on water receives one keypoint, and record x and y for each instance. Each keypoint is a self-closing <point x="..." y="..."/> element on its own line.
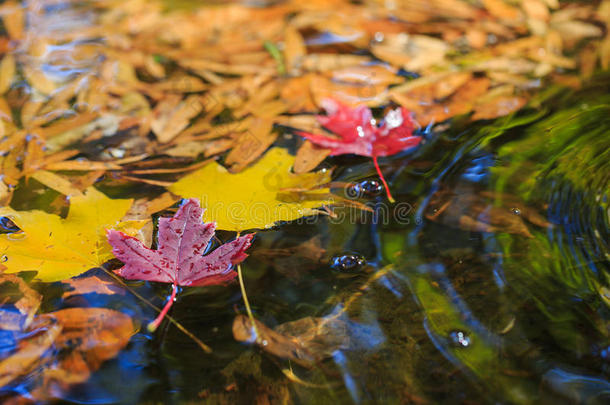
<point x="367" y="188"/>
<point x="347" y="262"/>
<point x="459" y="338"/>
<point x="117" y="153"/>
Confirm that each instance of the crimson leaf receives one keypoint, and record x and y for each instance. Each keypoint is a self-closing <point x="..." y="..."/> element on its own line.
<point x="179" y="259"/>
<point x="358" y="133"/>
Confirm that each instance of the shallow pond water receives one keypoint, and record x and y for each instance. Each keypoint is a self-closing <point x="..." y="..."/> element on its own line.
<point x="487" y="281"/>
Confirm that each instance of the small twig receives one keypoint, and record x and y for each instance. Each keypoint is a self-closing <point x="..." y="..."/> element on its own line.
<point x="246" y="303"/>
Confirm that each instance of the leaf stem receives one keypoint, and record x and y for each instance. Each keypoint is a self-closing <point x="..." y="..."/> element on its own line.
<point x="177" y="324"/>
<point x="385" y="184"/>
<point x="155" y="324"/>
<point x="246" y="303"/>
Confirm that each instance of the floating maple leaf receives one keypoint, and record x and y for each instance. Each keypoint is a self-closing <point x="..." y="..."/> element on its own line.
<point x="182" y="241"/>
<point x="360" y="135"/>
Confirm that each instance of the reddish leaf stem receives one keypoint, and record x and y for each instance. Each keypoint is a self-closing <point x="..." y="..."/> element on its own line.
<point x="155" y="324"/>
<point x="385" y="184"/>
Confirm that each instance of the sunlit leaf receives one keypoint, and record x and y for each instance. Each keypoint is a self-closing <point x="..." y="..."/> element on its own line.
<point x="254" y="198"/>
<point x="60" y="248"/>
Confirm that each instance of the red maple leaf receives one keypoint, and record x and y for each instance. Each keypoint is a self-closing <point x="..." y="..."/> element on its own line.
<point x="182" y="241"/>
<point x="359" y="133"/>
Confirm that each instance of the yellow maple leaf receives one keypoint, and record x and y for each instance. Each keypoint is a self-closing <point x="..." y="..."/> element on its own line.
<point x="258" y="196"/>
<point x="59" y="248"/>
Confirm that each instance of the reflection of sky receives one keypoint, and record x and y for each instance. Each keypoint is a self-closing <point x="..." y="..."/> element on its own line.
<point x="478" y="171"/>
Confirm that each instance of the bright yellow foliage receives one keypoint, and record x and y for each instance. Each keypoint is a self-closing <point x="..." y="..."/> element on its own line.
<point x="258" y="196"/>
<point x="61" y="248"/>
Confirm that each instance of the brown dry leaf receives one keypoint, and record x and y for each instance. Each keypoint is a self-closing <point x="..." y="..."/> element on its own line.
<point x="39" y="80"/>
<point x="308" y="157"/>
<point x="411" y="52"/>
<point x="13" y="18"/>
<point x="7" y="72"/>
<point x="294" y="261"/>
<point x="296" y="94"/>
<point x="321" y="62"/>
<point x="206" y="147"/>
<point x="477" y="212"/>
<point x="574" y="30"/>
<point x="91" y="284"/>
<point x="29" y="355"/>
<point x="305" y="341"/>
<point x="370" y="94"/>
<point x="82" y="165"/>
<point x="501" y="9"/>
<point x="24" y="298"/>
<point x="294" y="49"/>
<point x="172" y="115"/>
<point x="89" y="337"/>
<point x="251" y="144"/>
<point x="498" y="107"/>
<point x="56" y="182"/>
<point x="366" y="75"/>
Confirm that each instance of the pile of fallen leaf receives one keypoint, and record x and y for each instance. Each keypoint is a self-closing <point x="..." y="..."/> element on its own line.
<point x="191" y="103"/>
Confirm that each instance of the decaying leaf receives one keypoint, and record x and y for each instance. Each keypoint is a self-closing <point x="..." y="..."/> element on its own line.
<point x="305" y="341"/>
<point x="23" y="298"/>
<point x="479" y="213"/>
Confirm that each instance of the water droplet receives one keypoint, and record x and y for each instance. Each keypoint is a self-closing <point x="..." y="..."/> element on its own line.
<point x="459" y="339"/>
<point x="516" y="211"/>
<point x="348" y="262"/>
<point x="379" y="36"/>
<point x="117" y="153"/>
<point x="16" y="236"/>
<point x="4" y="258"/>
<point x="265" y="343"/>
<point x="394" y="119"/>
<point x="360" y="131"/>
<point x="366" y="189"/>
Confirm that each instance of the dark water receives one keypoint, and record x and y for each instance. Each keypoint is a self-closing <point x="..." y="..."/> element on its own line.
<point x="488" y="281"/>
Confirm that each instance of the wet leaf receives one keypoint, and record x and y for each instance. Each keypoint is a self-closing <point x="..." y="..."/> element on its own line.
<point x="27" y="302"/>
<point x="358" y="133"/>
<point x="88" y="338"/>
<point x="59" y="248"/>
<point x="7" y="72"/>
<point x="182" y="241"/>
<point x="309" y="156"/>
<point x="251" y="199"/>
<point x="91" y="284"/>
<point x="305" y="341"/>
